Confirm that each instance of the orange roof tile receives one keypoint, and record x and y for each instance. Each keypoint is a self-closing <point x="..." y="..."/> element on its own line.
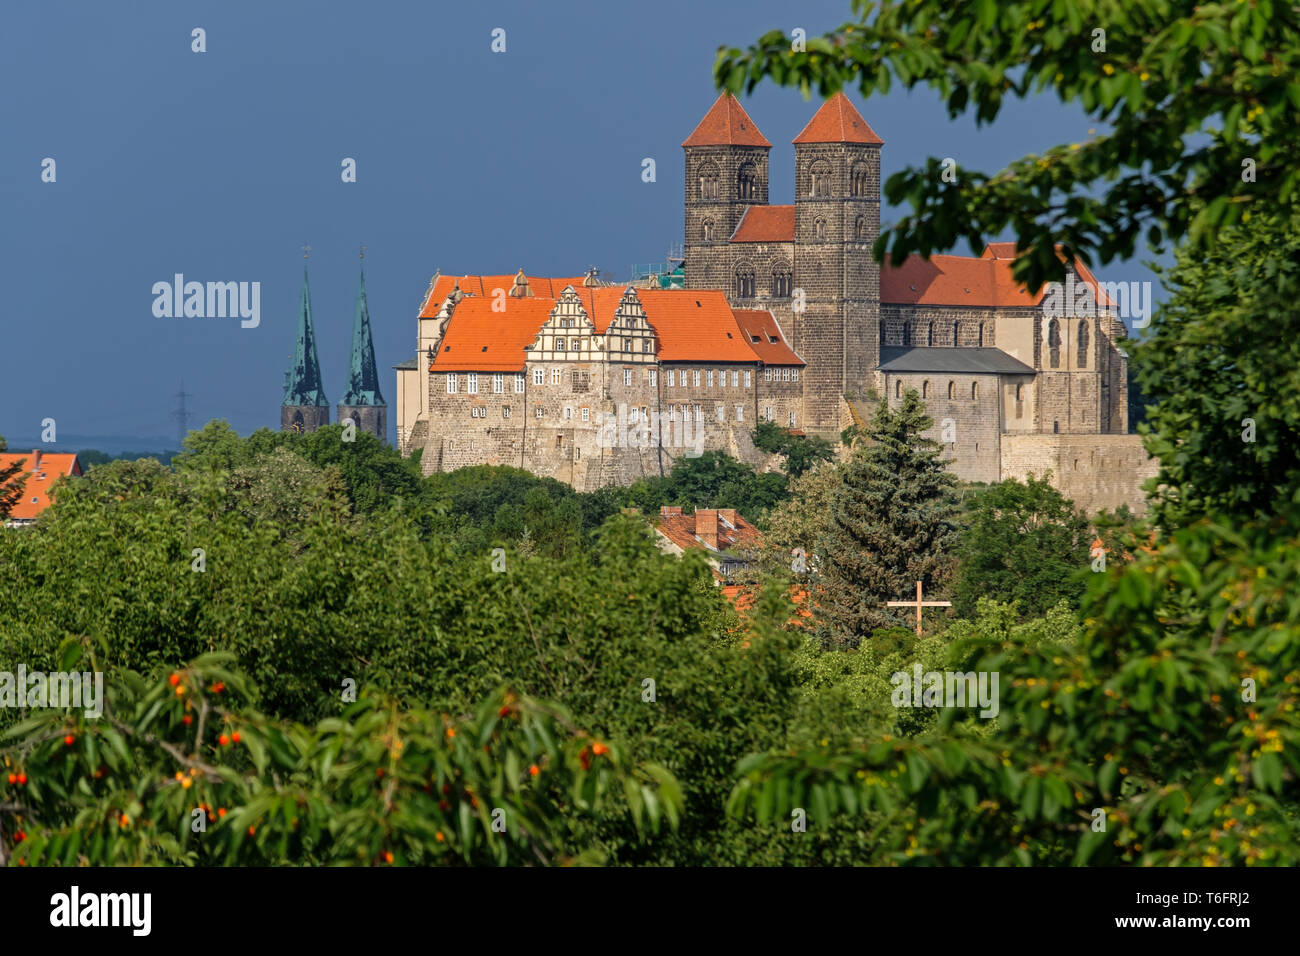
<point x="695" y="325"/>
<point x="481" y="340"/>
<point x="42" y="469"/>
<point x="485" y="285"/>
<point x="760" y="328"/>
<point x="726" y="124"/>
<point x="985" y="282"/>
<point x="680" y="530"/>
<point x="838" y="121"/>
<point x="766" y="224"/>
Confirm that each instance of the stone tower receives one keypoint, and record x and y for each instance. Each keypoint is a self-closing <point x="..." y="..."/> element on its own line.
<point x="305" y="407"/>
<point x="726" y="172"/>
<point x="362" y="402"/>
<point x="837" y="218"/>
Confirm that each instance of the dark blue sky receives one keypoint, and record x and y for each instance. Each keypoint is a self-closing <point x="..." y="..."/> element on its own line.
<point x="220" y="165"/>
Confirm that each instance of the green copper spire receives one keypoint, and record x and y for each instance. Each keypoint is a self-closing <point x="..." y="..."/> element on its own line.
<point x="303" y="382"/>
<point x="363" y="377"/>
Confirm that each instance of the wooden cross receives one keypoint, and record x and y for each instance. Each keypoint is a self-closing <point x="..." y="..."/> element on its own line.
<point x="918" y="604"/>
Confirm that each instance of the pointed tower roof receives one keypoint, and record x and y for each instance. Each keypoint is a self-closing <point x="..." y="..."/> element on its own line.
<point x="303" y="385"/>
<point x="363" y="377"/>
<point x="838" y="121"/>
<point x="726" y="124"/>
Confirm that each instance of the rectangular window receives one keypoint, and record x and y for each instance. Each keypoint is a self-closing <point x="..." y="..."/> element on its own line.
<point x="539" y="377"/>
<point x="792" y="419"/>
<point x="559" y="345"/>
<point x="672" y="413"/>
<point x="735" y="378"/>
<point x="767" y="412"/>
<point x="627" y="376"/>
<point x="740" y="413"/>
<point x="540" y="411"/>
<point x="471" y="383"/>
<point x="767" y="374"/>
<point x="672" y="378"/>
<point x="710" y="374"/>
<point x="505" y="411"/>
<point x="519" y="384"/>
<point x="451" y="384"/>
<point x="794" y="374"/>
<point x="555" y="376"/>
<point x="699" y="414"/>
<point x="785" y="374"/>
<point x="748" y="380"/>
<point x="686" y="413"/>
<point x="568" y="413"/>
<point x="586" y="414"/>
<point x="722" y="413"/>
<point x="654" y="378"/>
<point x="697" y="378"/>
<point x="498" y="383"/>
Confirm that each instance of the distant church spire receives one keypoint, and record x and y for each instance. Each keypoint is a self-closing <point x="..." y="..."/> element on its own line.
<point x="305" y="407"/>
<point x="362" y="401"/>
<point x="363" y="377"/>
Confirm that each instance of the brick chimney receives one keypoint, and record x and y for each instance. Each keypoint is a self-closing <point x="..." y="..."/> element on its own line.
<point x="728" y="515"/>
<point x="668" y="511"/>
<point x="34" y="465"/>
<point x="706" y="526"/>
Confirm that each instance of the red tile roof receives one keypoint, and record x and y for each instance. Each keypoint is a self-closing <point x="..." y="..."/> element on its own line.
<point x="42" y="469"/>
<point x="486" y="285"/>
<point x="766" y="224"/>
<point x="985" y="282"/>
<point x="480" y="340"/>
<point x="762" y="326"/>
<point x="838" y="121"/>
<point x="691" y="325"/>
<point x="726" y="124"/>
<point x="734" y="532"/>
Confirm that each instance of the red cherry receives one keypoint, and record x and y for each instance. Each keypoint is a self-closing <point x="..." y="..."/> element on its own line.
<point x="235" y="736"/>
<point x="13" y="778"/>
<point x="187" y="720"/>
<point x="22" y="780"/>
<point x="534" y="770"/>
<point x="223" y="740"/>
<point x="174" y="679"/>
<point x="20" y="836"/>
<point x="69" y="740"/>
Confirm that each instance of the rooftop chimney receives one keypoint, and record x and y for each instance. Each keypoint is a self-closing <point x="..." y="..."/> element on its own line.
<point x="668" y="511"/>
<point x="728" y="515"/>
<point x="706" y="527"/>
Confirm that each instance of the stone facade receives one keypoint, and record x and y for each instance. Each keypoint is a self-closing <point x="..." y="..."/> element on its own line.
<point x="596" y="385"/>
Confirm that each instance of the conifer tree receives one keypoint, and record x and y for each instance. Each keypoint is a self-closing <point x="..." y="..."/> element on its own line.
<point x="891" y="525"/>
<point x="12" y="481"/>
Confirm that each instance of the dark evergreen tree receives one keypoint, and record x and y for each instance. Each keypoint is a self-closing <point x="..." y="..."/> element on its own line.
<point x="891" y="525"/>
<point x="12" y="480"/>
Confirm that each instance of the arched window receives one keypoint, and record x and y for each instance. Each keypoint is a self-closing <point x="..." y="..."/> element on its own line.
<point x="898" y="388"/>
<point x="859" y="181"/>
<point x="708" y="230"/>
<point x="781" y="280"/>
<point x="952" y="390"/>
<point x="1054" y="343"/>
<point x="708" y="181"/>
<point x="981" y="335"/>
<point x="1083" y="344"/>
<point x="929" y="333"/>
<point x="974" y="391"/>
<point x="819" y="229"/>
<point x="956" y="333"/>
<point x="747" y="182"/>
<point x="745" y="282"/>
<point x="860" y="228"/>
<point x="820" y="176"/>
<point x="925" y="389"/>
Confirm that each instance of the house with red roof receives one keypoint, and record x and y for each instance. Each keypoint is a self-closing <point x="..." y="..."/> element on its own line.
<point x="729" y="541"/>
<point x="41" y="470"/>
<point x="785" y="317"/>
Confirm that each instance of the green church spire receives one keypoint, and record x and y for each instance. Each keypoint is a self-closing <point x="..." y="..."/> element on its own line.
<point x="363" y="377"/>
<point x="303" y="382"/>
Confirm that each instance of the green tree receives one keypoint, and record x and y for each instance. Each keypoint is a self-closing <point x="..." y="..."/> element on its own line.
<point x="890" y="526"/>
<point x="801" y="451"/>
<point x="1179" y="126"/>
<point x="1221" y="371"/>
<point x="1023" y="542"/>
<point x="12" y="482"/>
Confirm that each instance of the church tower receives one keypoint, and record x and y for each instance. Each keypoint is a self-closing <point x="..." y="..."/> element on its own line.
<point x="362" y="401"/>
<point x="726" y="172"/>
<point x="837" y="218"/>
<point x="305" y="407"/>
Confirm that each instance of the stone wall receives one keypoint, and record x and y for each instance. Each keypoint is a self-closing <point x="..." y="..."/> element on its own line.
<point x="1095" y="471"/>
<point x="968" y="424"/>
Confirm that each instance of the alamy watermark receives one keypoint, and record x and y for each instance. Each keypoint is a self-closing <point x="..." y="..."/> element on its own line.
<point x="1128" y="300"/>
<point x="631" y="428"/>
<point x="213" y="300"/>
<point x="946" y="689"/>
<point x="60" y="690"/>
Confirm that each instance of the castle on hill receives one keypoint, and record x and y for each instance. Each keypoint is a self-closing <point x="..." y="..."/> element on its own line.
<point x="785" y="317"/>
